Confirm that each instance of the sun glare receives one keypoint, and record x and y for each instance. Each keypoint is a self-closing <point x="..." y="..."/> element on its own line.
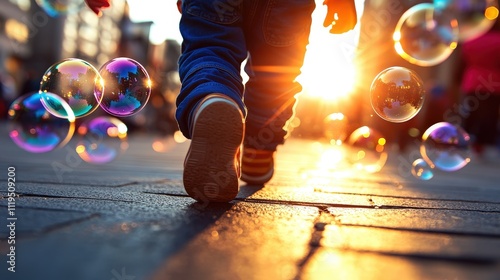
<point x="329" y="72"/>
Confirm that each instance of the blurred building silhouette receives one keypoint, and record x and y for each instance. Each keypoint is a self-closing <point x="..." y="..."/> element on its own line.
<point x="14" y="28"/>
<point x="31" y="40"/>
<point x="39" y="39"/>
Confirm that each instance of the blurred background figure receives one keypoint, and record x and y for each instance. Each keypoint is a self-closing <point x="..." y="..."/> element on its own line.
<point x="477" y="81"/>
<point x="13" y="80"/>
<point x="3" y="102"/>
<point x="375" y="53"/>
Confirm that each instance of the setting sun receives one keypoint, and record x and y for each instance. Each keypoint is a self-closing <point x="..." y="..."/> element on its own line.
<point x="329" y="72"/>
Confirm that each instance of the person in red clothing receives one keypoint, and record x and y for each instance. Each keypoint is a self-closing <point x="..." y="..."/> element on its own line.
<point x="478" y="77"/>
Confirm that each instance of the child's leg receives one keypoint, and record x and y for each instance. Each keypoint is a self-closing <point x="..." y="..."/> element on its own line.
<point x="277" y="40"/>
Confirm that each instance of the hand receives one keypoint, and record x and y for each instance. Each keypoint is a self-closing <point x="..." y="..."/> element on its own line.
<point x="341" y="15"/>
<point x="97" y="5"/>
<point x="179" y="6"/>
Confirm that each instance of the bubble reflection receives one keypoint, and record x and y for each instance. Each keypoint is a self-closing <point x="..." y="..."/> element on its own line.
<point x="446" y="147"/>
<point x="367" y="149"/>
<point x="397" y="94"/>
<point x="425" y="38"/>
<point x="127" y="87"/>
<point x="74" y="80"/>
<point x="101" y="140"/>
<point x="34" y="129"/>
<point x="421" y="170"/>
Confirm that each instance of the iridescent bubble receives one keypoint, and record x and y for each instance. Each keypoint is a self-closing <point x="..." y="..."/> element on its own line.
<point x="74" y="80"/>
<point x="421" y="170"/>
<point x="424" y="38"/>
<point x="56" y="8"/>
<point x="397" y="94"/>
<point x="475" y="17"/>
<point x="128" y="87"/>
<point x="101" y="139"/>
<point x="446" y="147"/>
<point x="335" y="128"/>
<point x="367" y="149"/>
<point x="34" y="129"/>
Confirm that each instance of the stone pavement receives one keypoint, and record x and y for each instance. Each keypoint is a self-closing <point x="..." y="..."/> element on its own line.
<point x="317" y="219"/>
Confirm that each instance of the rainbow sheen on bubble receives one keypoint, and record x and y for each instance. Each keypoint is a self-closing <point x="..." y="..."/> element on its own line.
<point x="424" y="38"/>
<point x="34" y="129"/>
<point x="367" y="149"/>
<point x="397" y="94"/>
<point x="55" y="8"/>
<point x="335" y="128"/>
<point x="475" y="17"/>
<point x="75" y="81"/>
<point x="421" y="170"/>
<point x="446" y="147"/>
<point x="101" y="139"/>
<point x="127" y="87"/>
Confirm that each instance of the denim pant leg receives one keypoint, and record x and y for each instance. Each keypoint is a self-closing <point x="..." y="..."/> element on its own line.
<point x="213" y="49"/>
<point x="276" y="39"/>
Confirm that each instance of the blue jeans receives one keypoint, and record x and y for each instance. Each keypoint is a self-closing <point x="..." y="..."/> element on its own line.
<point x="218" y="35"/>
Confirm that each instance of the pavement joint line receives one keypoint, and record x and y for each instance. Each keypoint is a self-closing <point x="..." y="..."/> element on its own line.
<point x="340" y="205"/>
<point x="322" y="219"/>
<point x="427" y="231"/>
<point x="93" y="184"/>
<point x="52" y="228"/>
<point x="283" y="202"/>
<point x="49" y="209"/>
<point x="141" y="183"/>
<point x="412" y="198"/>
<point x="357" y="183"/>
<point x="69" y="197"/>
<point x="168" y="194"/>
<point x="70" y="184"/>
<point x="452" y="259"/>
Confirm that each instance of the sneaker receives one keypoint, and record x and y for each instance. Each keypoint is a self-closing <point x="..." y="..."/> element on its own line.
<point x="257" y="166"/>
<point x="212" y="164"/>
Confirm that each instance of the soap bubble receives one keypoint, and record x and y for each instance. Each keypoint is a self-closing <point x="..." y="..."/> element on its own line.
<point x="74" y="80"/>
<point x="55" y="8"/>
<point x="34" y="129"/>
<point x="475" y="17"/>
<point x="421" y="170"/>
<point x="424" y="38"/>
<point x="367" y="149"/>
<point x="446" y="146"/>
<point x="127" y="87"/>
<point x="101" y="139"/>
<point x="397" y="94"/>
<point x="335" y="128"/>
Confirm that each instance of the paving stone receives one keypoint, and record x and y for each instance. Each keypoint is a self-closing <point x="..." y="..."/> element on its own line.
<point x="36" y="221"/>
<point x="132" y="219"/>
<point x="328" y="263"/>
<point x="417" y="244"/>
<point x="450" y="221"/>
<point x="252" y="241"/>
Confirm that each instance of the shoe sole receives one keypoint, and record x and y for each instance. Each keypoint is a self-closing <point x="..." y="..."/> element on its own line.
<point x="210" y="174"/>
<point x="257" y="180"/>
